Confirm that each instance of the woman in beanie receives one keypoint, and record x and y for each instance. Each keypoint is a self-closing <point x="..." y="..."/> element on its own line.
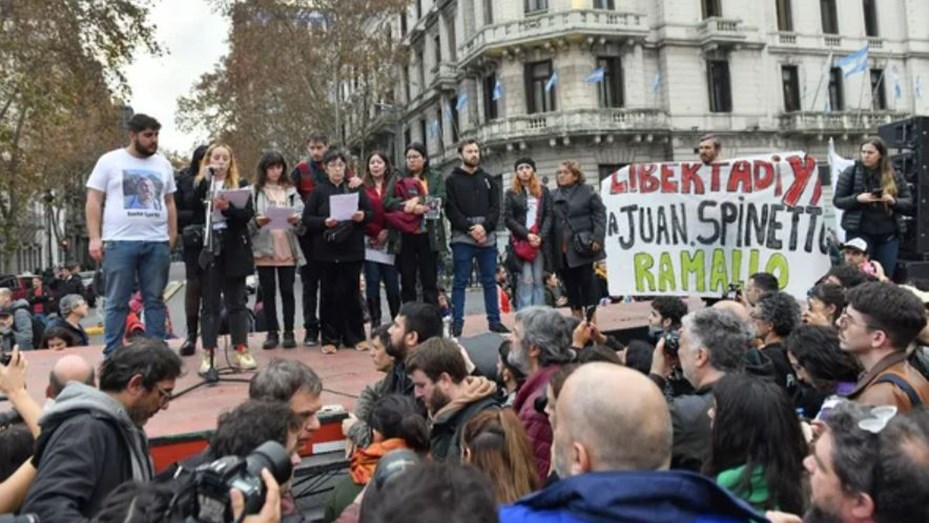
<point x="527" y="212"/>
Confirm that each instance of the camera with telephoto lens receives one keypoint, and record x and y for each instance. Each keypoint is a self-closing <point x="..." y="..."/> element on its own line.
<point x="672" y="343"/>
<point x="214" y="480"/>
<point x="734" y="292"/>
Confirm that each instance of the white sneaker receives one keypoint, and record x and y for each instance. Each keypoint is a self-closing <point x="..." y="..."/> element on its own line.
<point x="204" y="361"/>
<point x="244" y="359"/>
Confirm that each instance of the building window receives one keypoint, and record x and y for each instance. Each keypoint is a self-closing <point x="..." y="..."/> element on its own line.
<point x="536" y="6"/>
<point x="488" y="11"/>
<point x="719" y="86"/>
<point x="836" y="96"/>
<point x="537" y="99"/>
<point x="605" y="170"/>
<point x="604" y="4"/>
<point x="437" y="42"/>
<point x="419" y="9"/>
<point x="423" y="129"/>
<point x="610" y="90"/>
<point x="711" y="8"/>
<point x="830" y="17"/>
<point x="421" y="63"/>
<point x="403" y="24"/>
<point x="450" y="38"/>
<point x="490" y="105"/>
<point x="870" y="18"/>
<point x="406" y="84"/>
<point x="878" y="98"/>
<point x="407" y="137"/>
<point x="455" y="123"/>
<point x="785" y="19"/>
<point x="791" y="85"/>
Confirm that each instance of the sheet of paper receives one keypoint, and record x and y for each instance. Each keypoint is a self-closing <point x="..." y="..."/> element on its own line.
<point x="279" y="217"/>
<point x="237" y="197"/>
<point x="343" y="206"/>
<point x="378" y="255"/>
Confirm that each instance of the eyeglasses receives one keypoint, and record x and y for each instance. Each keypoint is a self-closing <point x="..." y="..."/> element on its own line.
<point x="846" y="319"/>
<point x="164" y="396"/>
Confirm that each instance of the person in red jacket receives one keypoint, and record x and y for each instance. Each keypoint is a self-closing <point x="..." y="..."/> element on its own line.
<point x="379" y="263"/>
<point x="541" y="341"/>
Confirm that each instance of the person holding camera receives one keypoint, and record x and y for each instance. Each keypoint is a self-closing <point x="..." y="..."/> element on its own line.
<point x="664" y="320"/>
<point x="875" y="199"/>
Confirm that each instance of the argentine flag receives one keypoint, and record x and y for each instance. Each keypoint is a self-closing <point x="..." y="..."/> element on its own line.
<point x="551" y="82"/>
<point x="854" y="63"/>
<point x="498" y="91"/>
<point x="595" y="77"/>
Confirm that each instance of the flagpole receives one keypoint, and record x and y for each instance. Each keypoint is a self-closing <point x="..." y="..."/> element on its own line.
<point x="819" y="86"/>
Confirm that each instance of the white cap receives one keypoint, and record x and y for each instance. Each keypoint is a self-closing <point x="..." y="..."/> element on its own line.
<point x="858" y="244"/>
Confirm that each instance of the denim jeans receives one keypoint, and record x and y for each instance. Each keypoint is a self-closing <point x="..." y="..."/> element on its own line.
<point x="530" y="287"/>
<point x="375" y="273"/>
<point x="462" y="255"/>
<point x="126" y="263"/>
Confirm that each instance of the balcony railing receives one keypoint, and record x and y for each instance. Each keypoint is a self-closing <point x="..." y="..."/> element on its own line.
<point x="832" y="40"/>
<point x="586" y="121"/>
<point x="816" y="122"/>
<point x="787" y="38"/>
<point x="547" y="25"/>
<point x="721" y="30"/>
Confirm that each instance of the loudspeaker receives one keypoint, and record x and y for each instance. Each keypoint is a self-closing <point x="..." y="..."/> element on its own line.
<point x="913" y="272"/>
<point x="905" y="134"/>
<point x="911" y="139"/>
<point x="483" y="351"/>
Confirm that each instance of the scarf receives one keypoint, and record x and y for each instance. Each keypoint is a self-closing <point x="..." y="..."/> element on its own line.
<point x="365" y="460"/>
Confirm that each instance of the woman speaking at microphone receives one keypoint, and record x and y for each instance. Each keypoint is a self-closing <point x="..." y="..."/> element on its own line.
<point x="232" y="260"/>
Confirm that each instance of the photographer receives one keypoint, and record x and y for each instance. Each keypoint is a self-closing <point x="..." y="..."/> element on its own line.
<point x="664" y="321"/>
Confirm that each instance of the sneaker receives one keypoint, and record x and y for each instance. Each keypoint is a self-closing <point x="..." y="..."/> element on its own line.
<point x="456" y="331"/>
<point x="329" y="348"/>
<point x="362" y="346"/>
<point x="205" y="361"/>
<point x="499" y="328"/>
<point x="289" y="340"/>
<point x="189" y="348"/>
<point x="312" y="338"/>
<point x="244" y="359"/>
<point x="271" y="342"/>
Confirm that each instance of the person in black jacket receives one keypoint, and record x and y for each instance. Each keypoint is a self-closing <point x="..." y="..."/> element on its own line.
<point x="875" y="198"/>
<point x="190" y="223"/>
<point x="339" y="250"/>
<point x="527" y="212"/>
<point x="232" y="257"/>
<point x="473" y="210"/>
<point x="578" y="211"/>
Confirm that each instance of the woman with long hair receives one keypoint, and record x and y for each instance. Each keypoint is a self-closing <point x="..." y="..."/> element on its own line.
<point x="875" y="199"/>
<point x="527" y="212"/>
<point x="495" y="442"/>
<point x="821" y="364"/>
<point x="338" y="247"/>
<point x="378" y="176"/>
<point x="232" y="260"/>
<point x="757" y="446"/>
<point x="825" y="303"/>
<point x="418" y="195"/>
<point x="277" y="251"/>
<point x="578" y="234"/>
<point x="395" y="424"/>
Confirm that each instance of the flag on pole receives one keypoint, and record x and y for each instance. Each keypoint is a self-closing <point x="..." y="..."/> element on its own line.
<point x="596" y="76"/>
<point x="462" y="101"/>
<point x="551" y="82"/>
<point x="656" y="82"/>
<point x="498" y="91"/>
<point x="854" y="63"/>
<point x="434" y="127"/>
<point x="895" y="78"/>
<point x="448" y="111"/>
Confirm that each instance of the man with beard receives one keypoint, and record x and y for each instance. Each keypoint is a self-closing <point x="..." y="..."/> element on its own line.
<point x="93" y="440"/>
<point x="473" y="210"/>
<point x="138" y="241"/>
<point x="710" y="149"/>
<point x="452" y="397"/>
<point x="415" y="323"/>
<point x="541" y="337"/>
<point x="612" y="448"/>
<point x="869" y="464"/>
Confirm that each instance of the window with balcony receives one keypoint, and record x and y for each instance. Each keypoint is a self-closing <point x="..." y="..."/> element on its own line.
<point x="536" y="6"/>
<point x="610" y="90"/>
<point x="836" y="91"/>
<point x="785" y="19"/>
<point x="878" y="96"/>
<point x="870" y="18"/>
<point x="604" y="4"/>
<point x="488" y="11"/>
<point x="537" y="99"/>
<point x="717" y="72"/>
<point x="790" y="82"/>
<point x="490" y="105"/>
<point x="830" y="17"/>
<point x="437" y="43"/>
<point x="711" y="8"/>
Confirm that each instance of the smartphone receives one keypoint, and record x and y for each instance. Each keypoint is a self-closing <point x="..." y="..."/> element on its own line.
<point x="877" y="193"/>
<point x="589" y="313"/>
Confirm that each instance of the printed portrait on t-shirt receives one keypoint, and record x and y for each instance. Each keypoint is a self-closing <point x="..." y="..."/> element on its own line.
<point x="141" y="190"/>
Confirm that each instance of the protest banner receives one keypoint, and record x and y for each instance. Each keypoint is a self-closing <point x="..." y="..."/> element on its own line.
<point x="685" y="228"/>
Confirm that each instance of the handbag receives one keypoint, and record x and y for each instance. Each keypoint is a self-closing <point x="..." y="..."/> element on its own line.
<point x="521" y="247"/>
<point x="339" y="233"/>
<point x="192" y="237"/>
<point x="581" y="242"/>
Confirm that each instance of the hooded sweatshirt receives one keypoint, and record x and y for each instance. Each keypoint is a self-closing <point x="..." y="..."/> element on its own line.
<point x="478" y="394"/>
<point x="88" y="447"/>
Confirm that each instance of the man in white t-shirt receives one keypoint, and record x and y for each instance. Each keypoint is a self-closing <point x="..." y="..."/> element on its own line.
<point x="139" y="223"/>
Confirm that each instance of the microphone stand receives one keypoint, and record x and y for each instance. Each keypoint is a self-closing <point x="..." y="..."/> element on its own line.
<point x="207" y="264"/>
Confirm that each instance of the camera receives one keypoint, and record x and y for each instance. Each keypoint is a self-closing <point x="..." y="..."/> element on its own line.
<point x="5" y="358"/>
<point x="214" y="480"/>
<point x="672" y="343"/>
<point x="734" y="291"/>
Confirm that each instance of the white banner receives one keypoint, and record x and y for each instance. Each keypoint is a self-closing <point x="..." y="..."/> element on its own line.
<point x="837" y="164"/>
<point x="685" y="228"/>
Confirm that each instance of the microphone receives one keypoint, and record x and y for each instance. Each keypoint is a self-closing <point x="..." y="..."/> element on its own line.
<point x="212" y="170"/>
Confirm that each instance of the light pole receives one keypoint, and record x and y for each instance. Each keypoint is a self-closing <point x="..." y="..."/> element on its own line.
<point x="48" y="197"/>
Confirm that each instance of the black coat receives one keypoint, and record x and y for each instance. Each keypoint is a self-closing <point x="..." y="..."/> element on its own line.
<point x="235" y="259"/>
<point x="515" y="208"/>
<point x="583" y="208"/>
<point x="856" y="180"/>
<point x="316" y="211"/>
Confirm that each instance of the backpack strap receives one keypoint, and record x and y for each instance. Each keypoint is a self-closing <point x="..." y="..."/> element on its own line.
<point x="903" y="385"/>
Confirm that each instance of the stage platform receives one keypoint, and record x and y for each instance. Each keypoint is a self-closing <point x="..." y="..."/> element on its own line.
<point x="184" y="428"/>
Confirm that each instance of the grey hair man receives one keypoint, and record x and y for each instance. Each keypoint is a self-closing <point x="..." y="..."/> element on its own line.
<point x="713" y="342"/>
<point x="296" y="384"/>
<point x="541" y="343"/>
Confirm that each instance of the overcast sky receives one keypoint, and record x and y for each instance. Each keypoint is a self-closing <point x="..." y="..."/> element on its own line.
<point x="194" y="38"/>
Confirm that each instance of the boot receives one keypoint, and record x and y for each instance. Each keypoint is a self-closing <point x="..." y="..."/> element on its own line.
<point x="289" y="340"/>
<point x="271" y="342"/>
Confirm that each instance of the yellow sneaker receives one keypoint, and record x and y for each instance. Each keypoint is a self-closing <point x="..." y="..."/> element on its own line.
<point x="244" y="359"/>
